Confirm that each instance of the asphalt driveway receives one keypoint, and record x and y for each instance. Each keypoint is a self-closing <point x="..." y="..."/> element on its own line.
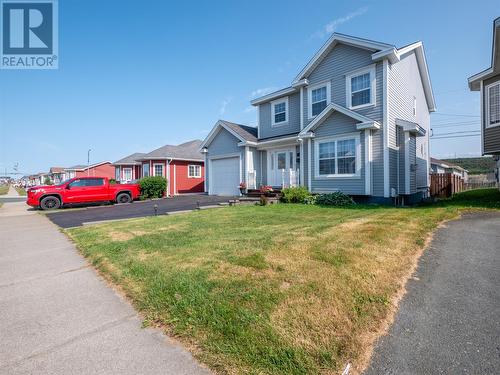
<point x="67" y="218"/>
<point x="58" y="317"/>
<point x="449" y="320"/>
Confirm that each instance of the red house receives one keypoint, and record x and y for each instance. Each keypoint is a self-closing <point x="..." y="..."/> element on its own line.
<point x="102" y="169"/>
<point x="181" y="165"/>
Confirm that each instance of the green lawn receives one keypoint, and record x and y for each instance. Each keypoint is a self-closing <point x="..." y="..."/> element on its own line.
<point x="4" y="189"/>
<point x="21" y="191"/>
<point x="283" y="289"/>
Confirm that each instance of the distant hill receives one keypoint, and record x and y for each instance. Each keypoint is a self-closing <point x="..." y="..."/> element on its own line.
<point x="478" y="165"/>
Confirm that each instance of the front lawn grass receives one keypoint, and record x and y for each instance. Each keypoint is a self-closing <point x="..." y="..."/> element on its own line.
<point x="282" y="289"/>
<point x="4" y="189"/>
<point x="21" y="191"/>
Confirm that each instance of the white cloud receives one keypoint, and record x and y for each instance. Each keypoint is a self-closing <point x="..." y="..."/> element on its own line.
<point x="261" y="92"/>
<point x="331" y="26"/>
<point x="224" y="104"/>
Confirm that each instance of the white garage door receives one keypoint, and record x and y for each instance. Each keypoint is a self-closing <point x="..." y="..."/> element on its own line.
<point x="225" y="176"/>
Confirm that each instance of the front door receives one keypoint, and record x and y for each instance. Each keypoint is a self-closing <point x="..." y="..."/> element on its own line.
<point x="282" y="162"/>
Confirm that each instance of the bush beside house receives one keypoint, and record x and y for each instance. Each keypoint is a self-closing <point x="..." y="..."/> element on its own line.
<point x="153" y="187"/>
<point x="300" y="194"/>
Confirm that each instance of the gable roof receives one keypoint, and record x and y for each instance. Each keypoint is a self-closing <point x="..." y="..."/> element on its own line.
<point x="184" y="151"/>
<point x="131" y="159"/>
<point x="335" y="39"/>
<point x="365" y="122"/>
<point x="380" y="51"/>
<point x="445" y="164"/>
<point x="83" y="167"/>
<point x="243" y="133"/>
<point x="474" y="81"/>
<point x="56" y="169"/>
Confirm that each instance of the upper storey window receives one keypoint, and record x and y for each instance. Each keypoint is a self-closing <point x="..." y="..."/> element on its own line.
<point x="360" y="87"/>
<point x="279" y="109"/>
<point x="493" y="104"/>
<point x="319" y="97"/>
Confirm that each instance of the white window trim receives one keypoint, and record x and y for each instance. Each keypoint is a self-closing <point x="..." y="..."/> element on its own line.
<point x="328" y="85"/>
<point x="273" y="103"/>
<point x="162" y="169"/>
<point x="197" y="167"/>
<point x="487" y="109"/>
<point x="373" y="84"/>
<point x="123" y="173"/>
<point x="318" y="141"/>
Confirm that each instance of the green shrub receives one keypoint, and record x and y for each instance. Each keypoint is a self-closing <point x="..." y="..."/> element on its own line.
<point x="335" y="199"/>
<point x="297" y="194"/>
<point x="153" y="187"/>
<point x="47" y="181"/>
<point x="311" y="199"/>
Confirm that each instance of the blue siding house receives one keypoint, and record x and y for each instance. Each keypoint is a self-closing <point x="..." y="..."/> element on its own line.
<point x="356" y="119"/>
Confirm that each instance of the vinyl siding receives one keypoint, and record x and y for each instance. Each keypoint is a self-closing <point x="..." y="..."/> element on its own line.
<point x="336" y="125"/>
<point x="404" y="84"/>
<point x="491" y="135"/>
<point x="293" y="124"/>
<point x="342" y="60"/>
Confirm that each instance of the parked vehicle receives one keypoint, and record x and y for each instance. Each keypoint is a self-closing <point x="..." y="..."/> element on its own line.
<point x="80" y="191"/>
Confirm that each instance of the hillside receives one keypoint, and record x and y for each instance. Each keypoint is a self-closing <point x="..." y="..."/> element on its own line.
<point x="477" y="165"/>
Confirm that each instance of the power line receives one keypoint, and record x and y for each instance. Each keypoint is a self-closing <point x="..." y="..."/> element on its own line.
<point x="447" y="122"/>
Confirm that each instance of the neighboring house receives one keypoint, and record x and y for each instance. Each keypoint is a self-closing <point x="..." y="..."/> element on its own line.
<point x="182" y="165"/>
<point x="355" y="119"/>
<point x="102" y="169"/>
<point x="442" y="166"/>
<point x="57" y="175"/>
<point x="129" y="168"/>
<point x="488" y="84"/>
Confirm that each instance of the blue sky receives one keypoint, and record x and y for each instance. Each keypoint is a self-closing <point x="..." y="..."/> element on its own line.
<point x="135" y="75"/>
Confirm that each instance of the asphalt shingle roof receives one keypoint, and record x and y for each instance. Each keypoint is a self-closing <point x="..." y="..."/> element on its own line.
<point x="248" y="133"/>
<point x="131" y="159"/>
<point x="187" y="150"/>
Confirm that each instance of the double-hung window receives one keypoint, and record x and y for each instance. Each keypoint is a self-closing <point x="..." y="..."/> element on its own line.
<point x="338" y="157"/>
<point x="145" y="170"/>
<point x="194" y="171"/>
<point x="493" y="105"/>
<point x="319" y="97"/>
<point x="279" y="110"/>
<point x="158" y="169"/>
<point x="127" y="174"/>
<point x="361" y="88"/>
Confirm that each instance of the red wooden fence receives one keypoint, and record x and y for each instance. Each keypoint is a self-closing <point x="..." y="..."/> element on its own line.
<point x="444" y="185"/>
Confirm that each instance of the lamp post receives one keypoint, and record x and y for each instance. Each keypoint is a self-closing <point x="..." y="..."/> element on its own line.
<point x="88" y="162"/>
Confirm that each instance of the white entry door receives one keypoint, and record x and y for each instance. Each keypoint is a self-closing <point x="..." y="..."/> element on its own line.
<point x="282" y="162"/>
<point x="225" y="176"/>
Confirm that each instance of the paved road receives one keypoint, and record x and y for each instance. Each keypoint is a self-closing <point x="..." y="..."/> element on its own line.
<point x="449" y="321"/>
<point x="58" y="317"/>
<point x="73" y="218"/>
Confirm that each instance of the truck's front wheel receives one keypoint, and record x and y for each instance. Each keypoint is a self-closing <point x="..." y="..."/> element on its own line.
<point x="50" y="203"/>
<point x="123" y="198"/>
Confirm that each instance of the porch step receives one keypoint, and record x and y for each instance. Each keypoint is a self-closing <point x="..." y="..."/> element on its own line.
<point x="257" y="193"/>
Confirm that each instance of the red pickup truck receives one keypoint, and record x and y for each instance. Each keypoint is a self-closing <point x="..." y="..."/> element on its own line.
<point x="81" y="190"/>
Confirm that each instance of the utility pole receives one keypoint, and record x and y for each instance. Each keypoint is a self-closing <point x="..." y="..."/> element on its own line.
<point x="88" y="162"/>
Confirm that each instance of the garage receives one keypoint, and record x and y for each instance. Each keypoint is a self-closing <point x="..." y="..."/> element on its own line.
<point x="225" y="176"/>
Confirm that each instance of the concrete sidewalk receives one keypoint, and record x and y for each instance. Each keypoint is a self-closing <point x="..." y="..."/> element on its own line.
<point x="58" y="317"/>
